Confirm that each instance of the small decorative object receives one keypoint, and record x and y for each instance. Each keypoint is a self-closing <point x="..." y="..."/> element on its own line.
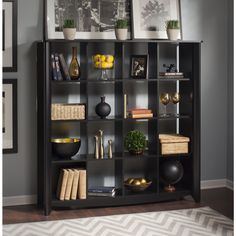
<point x="171" y="172"/>
<point x="74" y="68"/>
<point x="125" y="106"/>
<point x="170" y="68"/>
<point x="65" y="147"/>
<point x="139" y="67"/>
<point x="149" y="17"/>
<point x="101" y="149"/>
<point x="96" y="149"/>
<point x="165" y="99"/>
<point x="103" y="62"/>
<point x="69" y="29"/>
<point x="121" y="29"/>
<point x="173" y="29"/>
<point x="103" y="109"/>
<point x="137" y="184"/>
<point x="110" y="149"/>
<point x="135" y="142"/>
<point x="9" y="35"/>
<point x="9" y="116"/>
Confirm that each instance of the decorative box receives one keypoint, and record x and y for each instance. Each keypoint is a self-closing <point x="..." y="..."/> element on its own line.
<point x="67" y="111"/>
<point x="173" y="144"/>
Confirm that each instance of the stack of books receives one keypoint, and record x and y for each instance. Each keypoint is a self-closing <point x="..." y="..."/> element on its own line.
<point x="59" y="67"/>
<point x="140" y="113"/>
<point x="102" y="191"/>
<point x="167" y="75"/>
<point x="71" y="184"/>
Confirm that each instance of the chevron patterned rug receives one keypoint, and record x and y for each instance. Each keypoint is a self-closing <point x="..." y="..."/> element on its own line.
<point x="189" y="222"/>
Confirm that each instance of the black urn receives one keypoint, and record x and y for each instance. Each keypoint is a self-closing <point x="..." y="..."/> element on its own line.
<point x="103" y="109"/>
<point x="171" y="172"/>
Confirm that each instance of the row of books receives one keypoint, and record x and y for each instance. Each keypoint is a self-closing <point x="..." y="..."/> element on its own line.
<point x="59" y="67"/>
<point x="140" y="113"/>
<point x="71" y="184"/>
<point x="102" y="191"/>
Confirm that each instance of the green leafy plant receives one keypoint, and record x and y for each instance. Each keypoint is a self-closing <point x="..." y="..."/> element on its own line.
<point x="135" y="141"/>
<point x="121" y="24"/>
<point x="68" y="23"/>
<point x="173" y="24"/>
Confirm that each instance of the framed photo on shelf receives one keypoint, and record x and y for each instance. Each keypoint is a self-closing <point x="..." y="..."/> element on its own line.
<point x="139" y="67"/>
<point x="9" y="115"/>
<point x="93" y="19"/>
<point x="149" y="18"/>
<point x="9" y="35"/>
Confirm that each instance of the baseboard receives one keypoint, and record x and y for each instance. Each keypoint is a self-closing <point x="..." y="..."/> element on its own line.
<point x="32" y="199"/>
<point x="19" y="200"/>
<point x="217" y="183"/>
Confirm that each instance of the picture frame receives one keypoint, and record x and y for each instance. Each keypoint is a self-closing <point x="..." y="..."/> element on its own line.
<point x="91" y="22"/>
<point x="139" y="67"/>
<point x="9" y="35"/>
<point x="149" y="18"/>
<point x="9" y="116"/>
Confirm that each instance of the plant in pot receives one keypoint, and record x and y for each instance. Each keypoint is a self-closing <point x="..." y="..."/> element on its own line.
<point x="173" y="29"/>
<point x="121" y="29"/>
<point x="135" y="142"/>
<point x="69" y="29"/>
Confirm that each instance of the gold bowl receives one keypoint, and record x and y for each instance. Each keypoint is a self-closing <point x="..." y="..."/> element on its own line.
<point x="137" y="184"/>
<point x="65" y="147"/>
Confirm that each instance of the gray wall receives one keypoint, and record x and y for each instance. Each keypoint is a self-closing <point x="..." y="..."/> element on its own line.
<point x="206" y="20"/>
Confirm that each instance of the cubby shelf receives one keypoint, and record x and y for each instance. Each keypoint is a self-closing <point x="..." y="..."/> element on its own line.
<point x="140" y="93"/>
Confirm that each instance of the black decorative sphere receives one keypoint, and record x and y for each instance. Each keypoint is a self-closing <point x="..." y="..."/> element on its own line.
<point x="171" y="171"/>
<point x="103" y="109"/>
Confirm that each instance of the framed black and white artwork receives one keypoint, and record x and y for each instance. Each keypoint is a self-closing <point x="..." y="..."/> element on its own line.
<point x="139" y="67"/>
<point x="9" y="35"/>
<point x="9" y="115"/>
<point x="149" y="17"/>
<point x="94" y="19"/>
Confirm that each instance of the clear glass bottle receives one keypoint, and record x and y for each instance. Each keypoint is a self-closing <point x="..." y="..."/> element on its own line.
<point x="74" y="68"/>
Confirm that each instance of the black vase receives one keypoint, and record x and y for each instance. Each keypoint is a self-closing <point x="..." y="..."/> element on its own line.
<point x="103" y="109"/>
<point x="171" y="172"/>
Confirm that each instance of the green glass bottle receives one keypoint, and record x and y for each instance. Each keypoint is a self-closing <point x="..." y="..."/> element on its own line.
<point x="74" y="68"/>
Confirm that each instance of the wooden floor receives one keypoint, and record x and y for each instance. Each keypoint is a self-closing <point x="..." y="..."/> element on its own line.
<point x="220" y="199"/>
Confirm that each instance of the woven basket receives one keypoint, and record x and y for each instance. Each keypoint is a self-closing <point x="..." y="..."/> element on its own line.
<point x="68" y="112"/>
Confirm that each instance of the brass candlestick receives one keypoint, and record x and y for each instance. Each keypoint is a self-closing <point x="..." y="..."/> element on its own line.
<point x="110" y="149"/>
<point x="101" y="149"/>
<point x="96" y="149"/>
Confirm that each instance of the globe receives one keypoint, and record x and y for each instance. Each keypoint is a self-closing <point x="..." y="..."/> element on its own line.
<point x="171" y="172"/>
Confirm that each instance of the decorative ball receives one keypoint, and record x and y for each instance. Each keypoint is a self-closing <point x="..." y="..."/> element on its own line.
<point x="171" y="172"/>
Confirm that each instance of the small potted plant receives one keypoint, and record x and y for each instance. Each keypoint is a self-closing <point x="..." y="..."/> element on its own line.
<point x="135" y="142"/>
<point x="121" y="29"/>
<point x="69" y="29"/>
<point x="173" y="29"/>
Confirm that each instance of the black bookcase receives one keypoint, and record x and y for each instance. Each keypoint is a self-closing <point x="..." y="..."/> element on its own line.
<point x="186" y="54"/>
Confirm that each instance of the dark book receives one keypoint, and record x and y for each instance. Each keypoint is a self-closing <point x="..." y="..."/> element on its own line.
<point x="101" y="189"/>
<point x="59" y="75"/>
<point x="171" y="73"/>
<point x="53" y="67"/>
<point x="102" y="194"/>
<point x="64" y="67"/>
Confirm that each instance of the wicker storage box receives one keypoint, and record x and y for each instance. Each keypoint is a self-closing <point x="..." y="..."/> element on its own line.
<point x="68" y="111"/>
<point x="173" y="144"/>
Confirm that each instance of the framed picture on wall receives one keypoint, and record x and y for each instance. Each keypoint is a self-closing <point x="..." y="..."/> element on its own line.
<point x="139" y="67"/>
<point x="9" y="35"/>
<point x="94" y="19"/>
<point x="149" y="17"/>
<point x="9" y="115"/>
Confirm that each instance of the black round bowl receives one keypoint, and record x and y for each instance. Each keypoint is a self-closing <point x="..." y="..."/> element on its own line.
<point x="65" y="147"/>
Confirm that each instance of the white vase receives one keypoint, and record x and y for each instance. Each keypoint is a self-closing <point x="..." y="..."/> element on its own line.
<point x="69" y="33"/>
<point x="121" y="34"/>
<point x="173" y="34"/>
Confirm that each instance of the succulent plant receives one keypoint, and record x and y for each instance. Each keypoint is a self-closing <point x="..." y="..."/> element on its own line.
<point x="173" y="24"/>
<point x="69" y="23"/>
<point x="121" y="24"/>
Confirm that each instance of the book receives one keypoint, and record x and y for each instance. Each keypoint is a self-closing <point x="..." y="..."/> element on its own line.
<point x="69" y="184"/>
<point x="59" y="75"/>
<point x="148" y="115"/>
<point x="139" y="111"/>
<point x="101" y="189"/>
<point x="113" y="194"/>
<point x="171" y="73"/>
<point x="64" y="67"/>
<point x="75" y="185"/>
<point x="53" y="67"/>
<point x="82" y="184"/>
<point x="62" y="182"/>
